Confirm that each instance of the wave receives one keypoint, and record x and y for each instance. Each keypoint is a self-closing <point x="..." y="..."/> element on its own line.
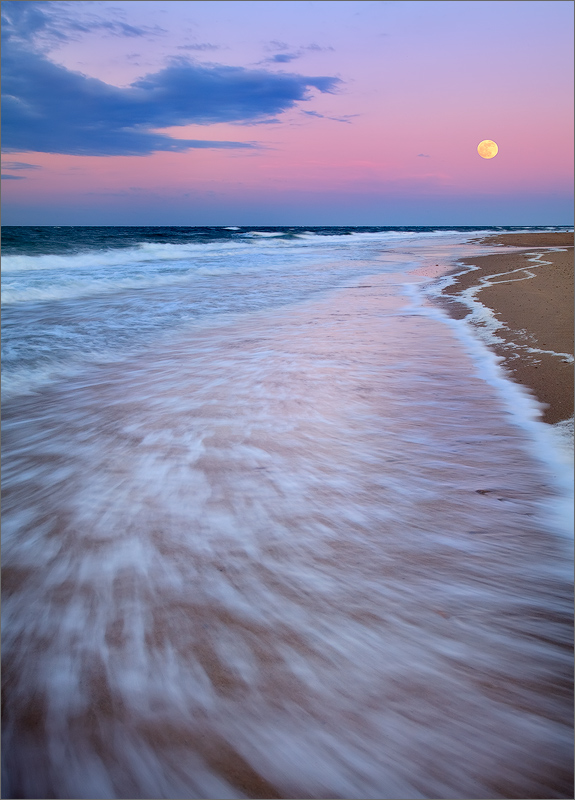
<point x="143" y="253"/>
<point x="263" y="234"/>
<point x="56" y="277"/>
<point x="86" y="288"/>
<point x="244" y="241"/>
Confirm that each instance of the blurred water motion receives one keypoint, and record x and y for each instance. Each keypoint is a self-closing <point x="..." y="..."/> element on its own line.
<point x="303" y="555"/>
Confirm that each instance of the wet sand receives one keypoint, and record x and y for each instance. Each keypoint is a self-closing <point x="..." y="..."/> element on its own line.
<point x="531" y="294"/>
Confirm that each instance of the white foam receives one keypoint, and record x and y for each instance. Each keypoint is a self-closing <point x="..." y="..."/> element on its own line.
<point x="544" y="442"/>
<point x="82" y="288"/>
<point x="142" y="254"/>
<point x="152" y="252"/>
<point x="562" y="433"/>
<point x="264" y="234"/>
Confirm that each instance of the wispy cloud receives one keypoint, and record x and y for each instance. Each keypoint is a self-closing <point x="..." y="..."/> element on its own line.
<point x="345" y="118"/>
<point x="318" y="48"/>
<point x="13" y="177"/>
<point x="423" y="155"/>
<point x="275" y="44"/>
<point x="293" y="54"/>
<point x="201" y="46"/>
<point x="20" y="165"/>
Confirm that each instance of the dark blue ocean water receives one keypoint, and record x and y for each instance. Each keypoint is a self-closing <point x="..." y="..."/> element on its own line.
<point x="43" y="240"/>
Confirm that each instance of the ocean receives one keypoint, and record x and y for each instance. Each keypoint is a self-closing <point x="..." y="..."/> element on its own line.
<point x="273" y="523"/>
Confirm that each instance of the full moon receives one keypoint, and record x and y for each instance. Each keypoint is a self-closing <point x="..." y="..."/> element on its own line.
<point x="487" y="149"/>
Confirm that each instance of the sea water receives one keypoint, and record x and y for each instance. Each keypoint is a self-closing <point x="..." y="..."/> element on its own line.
<point x="273" y="524"/>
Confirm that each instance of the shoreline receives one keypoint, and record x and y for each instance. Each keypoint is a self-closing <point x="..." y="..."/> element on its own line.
<point x="526" y="310"/>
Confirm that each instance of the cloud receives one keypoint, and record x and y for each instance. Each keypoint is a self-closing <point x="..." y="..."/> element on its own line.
<point x="317" y="48"/>
<point x="49" y="23"/>
<point x="131" y="191"/>
<point x="50" y="109"/>
<point x="344" y="118"/>
<point x="282" y="58"/>
<point x="201" y="46"/>
<point x="423" y="155"/>
<point x="274" y="44"/>
<point x="19" y="165"/>
<point x="13" y="177"/>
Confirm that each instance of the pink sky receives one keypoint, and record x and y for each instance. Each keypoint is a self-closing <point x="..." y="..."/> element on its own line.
<point x="421" y="84"/>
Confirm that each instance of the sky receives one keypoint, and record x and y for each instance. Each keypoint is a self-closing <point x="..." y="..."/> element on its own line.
<point x="273" y="112"/>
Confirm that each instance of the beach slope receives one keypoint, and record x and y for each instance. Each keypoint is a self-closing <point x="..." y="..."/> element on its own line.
<point x="530" y="292"/>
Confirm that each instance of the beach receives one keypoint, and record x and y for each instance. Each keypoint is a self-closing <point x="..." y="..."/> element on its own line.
<point x="530" y="292"/>
<point x="316" y="548"/>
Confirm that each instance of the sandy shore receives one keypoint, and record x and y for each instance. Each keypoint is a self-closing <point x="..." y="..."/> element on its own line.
<point x="534" y="303"/>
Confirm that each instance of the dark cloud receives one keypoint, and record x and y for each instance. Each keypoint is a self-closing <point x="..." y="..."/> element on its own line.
<point x="282" y="58"/>
<point x="19" y="165"/>
<point x="48" y="108"/>
<point x="27" y="20"/>
<point x="48" y="22"/>
<point x="13" y="177"/>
